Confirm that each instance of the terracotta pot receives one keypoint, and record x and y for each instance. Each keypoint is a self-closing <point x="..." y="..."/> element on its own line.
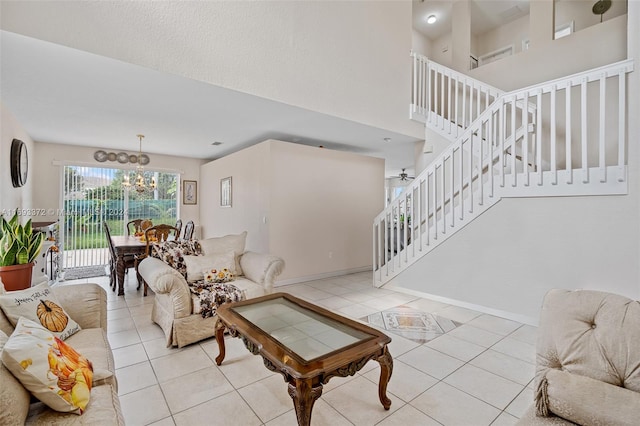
<point x="16" y="277"/>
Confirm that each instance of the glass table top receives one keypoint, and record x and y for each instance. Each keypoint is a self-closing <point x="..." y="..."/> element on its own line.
<point x="306" y="333"/>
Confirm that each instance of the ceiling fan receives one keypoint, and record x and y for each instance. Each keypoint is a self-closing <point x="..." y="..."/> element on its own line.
<point x="404" y="176"/>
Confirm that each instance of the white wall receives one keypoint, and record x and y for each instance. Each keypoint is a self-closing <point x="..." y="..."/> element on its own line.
<point x="590" y="48"/>
<point x="10" y="197"/>
<point x="47" y="171"/>
<point x="512" y="33"/>
<point x="347" y="59"/>
<point x="312" y="206"/>
<point x="579" y="11"/>
<point x="251" y="188"/>
<point x="420" y="44"/>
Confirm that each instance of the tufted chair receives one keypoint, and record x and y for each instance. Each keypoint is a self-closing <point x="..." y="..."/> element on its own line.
<point x="587" y="360"/>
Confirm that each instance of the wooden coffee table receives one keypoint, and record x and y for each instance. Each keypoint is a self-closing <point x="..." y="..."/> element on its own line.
<point x="305" y="343"/>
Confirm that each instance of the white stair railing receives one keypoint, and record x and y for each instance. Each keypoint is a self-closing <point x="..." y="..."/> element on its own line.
<point x="445" y="99"/>
<point x="574" y="145"/>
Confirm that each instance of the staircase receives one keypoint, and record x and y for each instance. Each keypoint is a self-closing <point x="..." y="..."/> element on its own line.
<point x="565" y="137"/>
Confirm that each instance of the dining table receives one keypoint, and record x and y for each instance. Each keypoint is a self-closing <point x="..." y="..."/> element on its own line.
<point x="125" y="245"/>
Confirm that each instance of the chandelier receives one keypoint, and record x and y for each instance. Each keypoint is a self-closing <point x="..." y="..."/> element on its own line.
<point x="139" y="183"/>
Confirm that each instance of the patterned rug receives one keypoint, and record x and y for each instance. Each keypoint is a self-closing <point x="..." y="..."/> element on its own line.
<point x="415" y="325"/>
<point x="84" y="272"/>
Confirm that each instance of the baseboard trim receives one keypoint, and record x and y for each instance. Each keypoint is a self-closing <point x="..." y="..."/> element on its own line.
<point x="325" y="275"/>
<point x="524" y="319"/>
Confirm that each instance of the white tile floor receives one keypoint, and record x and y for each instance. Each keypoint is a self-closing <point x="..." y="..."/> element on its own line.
<point x="479" y="373"/>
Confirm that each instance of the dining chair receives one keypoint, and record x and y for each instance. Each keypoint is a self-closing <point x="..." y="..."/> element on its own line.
<point x="179" y="228"/>
<point x="155" y="234"/>
<point x="188" y="230"/>
<point x="134" y="225"/>
<point x="129" y="260"/>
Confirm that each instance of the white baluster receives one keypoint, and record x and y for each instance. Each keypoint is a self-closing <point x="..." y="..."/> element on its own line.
<point x="539" y="135"/>
<point x="514" y="166"/>
<point x="525" y="137"/>
<point x="568" y="141"/>
<point x="603" y="109"/>
<point x="552" y="114"/>
<point x="622" y="92"/>
<point x="585" y="158"/>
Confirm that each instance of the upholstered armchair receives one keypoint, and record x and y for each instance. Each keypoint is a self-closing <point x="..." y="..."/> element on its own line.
<point x="587" y="360"/>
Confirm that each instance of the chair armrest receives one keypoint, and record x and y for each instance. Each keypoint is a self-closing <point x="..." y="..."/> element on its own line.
<point x="261" y="268"/>
<point x="163" y="279"/>
<point x="584" y="400"/>
<point x="85" y="303"/>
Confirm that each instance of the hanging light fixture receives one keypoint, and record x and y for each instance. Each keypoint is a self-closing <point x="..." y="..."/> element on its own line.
<point x="139" y="183"/>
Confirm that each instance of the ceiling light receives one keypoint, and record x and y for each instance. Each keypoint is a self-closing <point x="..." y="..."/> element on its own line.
<point x="216" y="143"/>
<point x="431" y="19"/>
<point x="140" y="184"/>
<point x="387" y="139"/>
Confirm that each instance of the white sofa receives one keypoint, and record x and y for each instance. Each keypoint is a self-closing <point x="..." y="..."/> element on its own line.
<point x="173" y="304"/>
<point x="87" y="305"/>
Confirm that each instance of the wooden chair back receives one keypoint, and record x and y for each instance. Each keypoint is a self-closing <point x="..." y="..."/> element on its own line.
<point x="158" y="233"/>
<point x="134" y="226"/>
<point x="188" y="230"/>
<point x="107" y="232"/>
<point x="138" y="226"/>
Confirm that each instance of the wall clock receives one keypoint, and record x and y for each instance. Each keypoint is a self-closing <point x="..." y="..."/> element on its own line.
<point x="19" y="163"/>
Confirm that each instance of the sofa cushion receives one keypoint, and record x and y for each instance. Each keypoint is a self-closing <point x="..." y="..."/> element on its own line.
<point x="196" y="265"/>
<point x="249" y="288"/>
<point x="40" y="305"/>
<point x="14" y="398"/>
<point x="226" y="244"/>
<point x="104" y="409"/>
<point x="48" y="367"/>
<point x="173" y="252"/>
<point x="581" y="400"/>
<point x="93" y="344"/>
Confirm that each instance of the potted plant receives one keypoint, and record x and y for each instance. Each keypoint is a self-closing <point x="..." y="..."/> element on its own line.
<point x="19" y="246"/>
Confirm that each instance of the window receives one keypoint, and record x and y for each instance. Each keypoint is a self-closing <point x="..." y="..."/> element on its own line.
<point x="563" y="30"/>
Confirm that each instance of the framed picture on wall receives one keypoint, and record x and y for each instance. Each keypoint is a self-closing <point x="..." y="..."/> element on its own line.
<point x="189" y="192"/>
<point x="225" y="192"/>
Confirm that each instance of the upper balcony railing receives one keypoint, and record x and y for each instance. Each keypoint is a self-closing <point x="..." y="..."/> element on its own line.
<point x="445" y="99"/>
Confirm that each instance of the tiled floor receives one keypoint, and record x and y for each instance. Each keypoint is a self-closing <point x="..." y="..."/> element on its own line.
<point x="476" y="371"/>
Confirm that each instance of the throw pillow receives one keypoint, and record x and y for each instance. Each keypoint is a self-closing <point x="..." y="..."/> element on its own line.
<point x="39" y="304"/>
<point x="49" y="368"/>
<point x="212" y="276"/>
<point x="172" y="253"/>
<point x="14" y="398"/>
<point x="226" y="244"/>
<point x="197" y="264"/>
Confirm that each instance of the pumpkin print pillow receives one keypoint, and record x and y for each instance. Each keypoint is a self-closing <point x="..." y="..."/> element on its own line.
<point x="39" y="304"/>
<point x="48" y="367"/>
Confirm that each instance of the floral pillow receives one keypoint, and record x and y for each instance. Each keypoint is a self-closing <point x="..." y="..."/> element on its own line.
<point x="48" y="367"/>
<point x="172" y="253"/>
<point x="213" y="275"/>
<point x="196" y="265"/>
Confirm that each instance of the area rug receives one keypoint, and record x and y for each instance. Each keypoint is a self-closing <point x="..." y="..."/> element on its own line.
<point x="415" y="325"/>
<point x="85" y="272"/>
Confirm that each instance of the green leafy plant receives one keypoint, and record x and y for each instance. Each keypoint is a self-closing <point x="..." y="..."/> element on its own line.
<point x="19" y="244"/>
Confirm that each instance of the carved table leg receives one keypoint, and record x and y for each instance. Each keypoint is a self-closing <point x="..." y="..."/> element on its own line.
<point x="386" y="369"/>
<point x="120" y="272"/>
<point x="220" y="339"/>
<point x="304" y="396"/>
